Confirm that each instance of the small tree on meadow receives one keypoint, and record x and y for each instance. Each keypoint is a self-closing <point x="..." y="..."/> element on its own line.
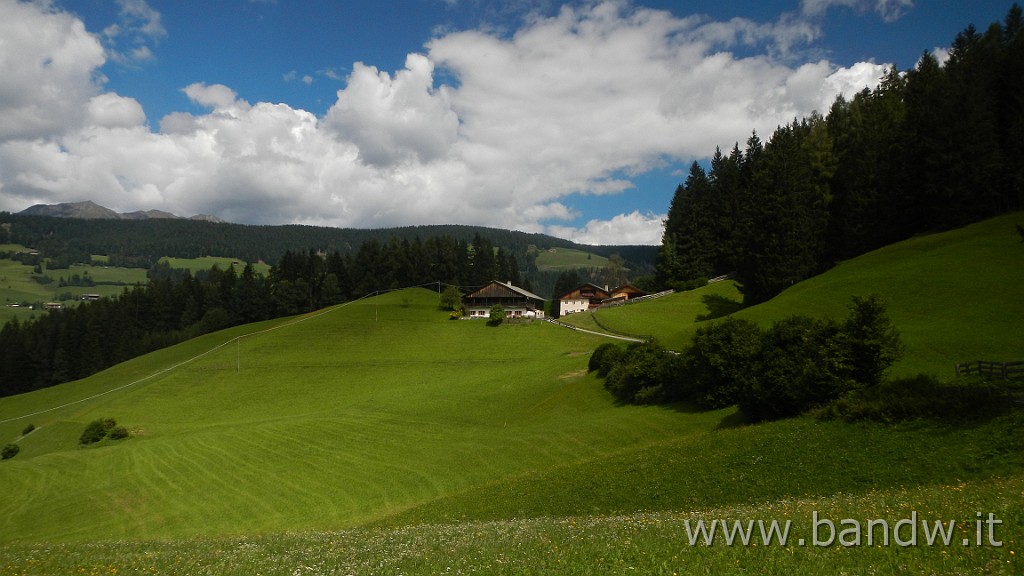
<point x="451" y="299"/>
<point x="871" y="342"/>
<point x="497" y="315"/>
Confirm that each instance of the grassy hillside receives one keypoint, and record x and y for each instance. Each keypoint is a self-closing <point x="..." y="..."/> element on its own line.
<point x="568" y="259"/>
<point x="381" y="437"/>
<point x="955" y="297"/>
<point x="671" y="319"/>
<point x="332" y="421"/>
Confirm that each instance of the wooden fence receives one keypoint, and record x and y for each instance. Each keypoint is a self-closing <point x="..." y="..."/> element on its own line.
<point x="1004" y="370"/>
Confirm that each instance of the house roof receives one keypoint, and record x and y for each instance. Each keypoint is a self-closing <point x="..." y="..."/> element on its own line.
<point x="495" y="289"/>
<point x="627" y="287"/>
<point x="599" y="292"/>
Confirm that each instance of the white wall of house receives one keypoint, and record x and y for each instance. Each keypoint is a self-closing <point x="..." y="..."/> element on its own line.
<point x="510" y="312"/>
<point x="572" y="306"/>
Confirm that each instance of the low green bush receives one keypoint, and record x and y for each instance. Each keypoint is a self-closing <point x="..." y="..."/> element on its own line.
<point x="604" y="358"/>
<point x="496" y="315"/>
<point x="28" y="429"/>
<point x="118" y="433"/>
<point x="9" y="451"/>
<point x="96" y="430"/>
<point x="646" y="373"/>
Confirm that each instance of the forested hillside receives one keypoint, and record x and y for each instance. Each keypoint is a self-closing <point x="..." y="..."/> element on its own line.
<point x="176" y="305"/>
<point x="140" y="243"/>
<point x="929" y="149"/>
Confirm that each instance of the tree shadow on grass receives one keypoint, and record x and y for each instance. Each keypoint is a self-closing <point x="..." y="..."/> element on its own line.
<point x="718" y="306"/>
<point x="733" y="419"/>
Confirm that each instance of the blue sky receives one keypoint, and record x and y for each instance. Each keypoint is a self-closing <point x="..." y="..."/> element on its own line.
<point x="576" y="119"/>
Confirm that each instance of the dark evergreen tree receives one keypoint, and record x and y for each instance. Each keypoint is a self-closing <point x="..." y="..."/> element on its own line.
<point x="789" y="219"/>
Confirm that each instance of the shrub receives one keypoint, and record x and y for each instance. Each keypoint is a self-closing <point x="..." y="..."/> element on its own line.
<point x="28" y="429"/>
<point x="604" y="358"/>
<point x="118" y="433"/>
<point x="496" y="315"/>
<point x="97" y="430"/>
<point x="646" y="374"/>
<point x="806" y="363"/>
<point x="9" y="451"/>
<point x="722" y="357"/>
<point x="800" y="367"/>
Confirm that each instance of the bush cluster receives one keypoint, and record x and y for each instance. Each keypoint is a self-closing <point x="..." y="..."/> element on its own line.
<point x="9" y="451"/>
<point x="797" y="364"/>
<point x="102" y="428"/>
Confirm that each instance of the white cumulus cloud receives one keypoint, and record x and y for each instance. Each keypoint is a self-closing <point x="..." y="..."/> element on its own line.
<point x="570" y="104"/>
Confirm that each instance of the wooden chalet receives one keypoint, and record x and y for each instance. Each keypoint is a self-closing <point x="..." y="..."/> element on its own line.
<point x="582" y="298"/>
<point x="518" y="303"/>
<point x="588" y="296"/>
<point x="625" y="292"/>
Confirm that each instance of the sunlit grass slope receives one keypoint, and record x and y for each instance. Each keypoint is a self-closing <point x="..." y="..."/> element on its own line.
<point x="326" y="422"/>
<point x="568" y="259"/>
<point x="671" y="319"/>
<point x="955" y="297"/>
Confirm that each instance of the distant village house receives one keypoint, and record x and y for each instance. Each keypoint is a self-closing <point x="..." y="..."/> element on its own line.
<point x="588" y="296"/>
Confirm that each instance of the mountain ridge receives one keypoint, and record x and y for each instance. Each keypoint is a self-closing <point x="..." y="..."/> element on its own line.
<point x="90" y="210"/>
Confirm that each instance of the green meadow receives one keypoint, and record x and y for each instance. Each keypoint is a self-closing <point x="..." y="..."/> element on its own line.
<point x="380" y="437"/>
<point x="19" y="286"/>
<point x="568" y="259"/>
<point x="206" y="262"/>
